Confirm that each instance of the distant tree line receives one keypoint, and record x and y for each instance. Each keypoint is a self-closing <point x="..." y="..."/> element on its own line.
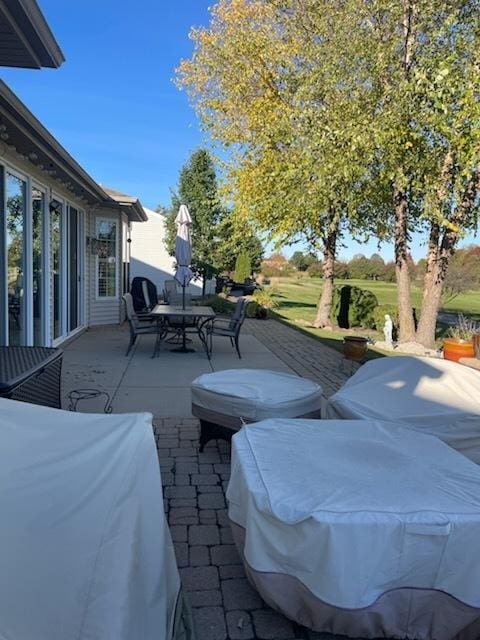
<point x="463" y="274"/>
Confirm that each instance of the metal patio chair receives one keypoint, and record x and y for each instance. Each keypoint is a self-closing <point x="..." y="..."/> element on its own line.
<point x="228" y="327"/>
<point x="135" y="328"/>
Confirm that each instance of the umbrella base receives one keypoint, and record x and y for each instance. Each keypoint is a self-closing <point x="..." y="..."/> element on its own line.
<point x="182" y="349"/>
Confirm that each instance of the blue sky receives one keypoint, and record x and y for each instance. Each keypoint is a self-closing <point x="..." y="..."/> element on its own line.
<point x="113" y="104"/>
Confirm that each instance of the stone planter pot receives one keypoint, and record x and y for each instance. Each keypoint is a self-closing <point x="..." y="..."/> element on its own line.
<point x="455" y="349"/>
<point x="355" y="347"/>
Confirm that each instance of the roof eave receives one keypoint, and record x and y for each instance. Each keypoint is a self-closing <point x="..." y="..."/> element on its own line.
<point x="13" y="109"/>
<point x="32" y="30"/>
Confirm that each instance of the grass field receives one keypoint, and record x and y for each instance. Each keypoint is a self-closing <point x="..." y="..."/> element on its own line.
<point x="297" y="298"/>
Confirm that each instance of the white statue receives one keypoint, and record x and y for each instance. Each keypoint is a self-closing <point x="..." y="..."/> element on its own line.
<point x="388" y="331"/>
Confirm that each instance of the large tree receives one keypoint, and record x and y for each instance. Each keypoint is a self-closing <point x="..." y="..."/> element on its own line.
<point x="423" y="60"/>
<point x="264" y="80"/>
<point x="353" y="113"/>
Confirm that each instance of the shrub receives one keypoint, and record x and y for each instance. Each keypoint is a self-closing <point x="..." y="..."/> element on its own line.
<point x="353" y="307"/>
<point x="253" y="309"/>
<point x="218" y="304"/>
<point x="379" y="316"/>
<point x="264" y="298"/>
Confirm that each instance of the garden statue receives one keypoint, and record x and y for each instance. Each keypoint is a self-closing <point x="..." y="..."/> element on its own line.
<point x="388" y="331"/>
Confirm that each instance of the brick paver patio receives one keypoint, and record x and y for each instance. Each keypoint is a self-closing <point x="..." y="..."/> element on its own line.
<point x="225" y="606"/>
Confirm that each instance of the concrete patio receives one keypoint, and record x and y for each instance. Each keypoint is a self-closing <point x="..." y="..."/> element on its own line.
<point x="224" y="604"/>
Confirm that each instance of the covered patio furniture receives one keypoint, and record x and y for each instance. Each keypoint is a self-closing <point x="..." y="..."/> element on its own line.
<point x="358" y="528"/>
<point x="429" y="395"/>
<point x="136" y="329"/>
<point x="144" y="295"/>
<point x="85" y="549"/>
<point x="227" y="327"/>
<point x="31" y="374"/>
<point x="226" y="400"/>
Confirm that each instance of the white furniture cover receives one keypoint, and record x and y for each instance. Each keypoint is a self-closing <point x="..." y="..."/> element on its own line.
<point x="255" y="394"/>
<point x="431" y="395"/>
<point x="353" y="511"/>
<point x="85" y="551"/>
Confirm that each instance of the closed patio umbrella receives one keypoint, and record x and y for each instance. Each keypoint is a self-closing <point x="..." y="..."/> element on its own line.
<point x="183" y="249"/>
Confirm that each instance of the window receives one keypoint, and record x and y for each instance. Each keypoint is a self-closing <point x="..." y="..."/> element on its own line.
<point x="106" y="232"/>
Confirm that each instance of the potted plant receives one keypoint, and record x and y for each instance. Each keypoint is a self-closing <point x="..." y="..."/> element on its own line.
<point x="265" y="301"/>
<point x="459" y="342"/>
<point x="355" y="348"/>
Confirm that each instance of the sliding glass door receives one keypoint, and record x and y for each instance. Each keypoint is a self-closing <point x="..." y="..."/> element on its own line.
<point x="56" y="265"/>
<point x="40" y="308"/>
<point x="15" y="200"/>
<point x="41" y="263"/>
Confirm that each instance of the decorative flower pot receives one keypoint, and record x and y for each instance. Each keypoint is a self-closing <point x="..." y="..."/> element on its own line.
<point x="455" y="349"/>
<point x="355" y="347"/>
<point x="261" y="313"/>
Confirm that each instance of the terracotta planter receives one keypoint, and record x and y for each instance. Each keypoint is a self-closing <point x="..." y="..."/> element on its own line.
<point x="456" y="349"/>
<point x="355" y="347"/>
<point x="476" y="345"/>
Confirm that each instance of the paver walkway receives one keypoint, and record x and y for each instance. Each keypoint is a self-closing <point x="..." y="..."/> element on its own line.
<point x="225" y="606"/>
<point x="304" y="355"/>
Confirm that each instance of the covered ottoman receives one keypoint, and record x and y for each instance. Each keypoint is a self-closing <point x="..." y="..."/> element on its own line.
<point x="85" y="551"/>
<point x="359" y="528"/>
<point x="225" y="400"/>
<point x="430" y="395"/>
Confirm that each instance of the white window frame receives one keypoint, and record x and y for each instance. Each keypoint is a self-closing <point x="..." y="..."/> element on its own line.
<point x="99" y="298"/>
<point x="45" y="302"/>
<point x="63" y="266"/>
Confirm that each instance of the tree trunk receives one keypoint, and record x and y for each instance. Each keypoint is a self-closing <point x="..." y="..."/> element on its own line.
<point x="324" y="307"/>
<point x="404" y="296"/>
<point x="441" y="250"/>
<point x="431" y="291"/>
<point x="204" y="282"/>
<point x="400" y="199"/>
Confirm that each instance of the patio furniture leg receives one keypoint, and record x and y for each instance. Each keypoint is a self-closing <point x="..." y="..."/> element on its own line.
<point x="132" y="342"/>
<point x="237" y="347"/>
<point x="204" y="340"/>
<point x="211" y="431"/>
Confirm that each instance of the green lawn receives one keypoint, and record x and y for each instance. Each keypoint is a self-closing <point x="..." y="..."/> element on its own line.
<point x="297" y="298"/>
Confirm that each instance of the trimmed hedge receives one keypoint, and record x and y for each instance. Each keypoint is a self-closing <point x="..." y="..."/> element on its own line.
<point x="218" y="304"/>
<point x="353" y="307"/>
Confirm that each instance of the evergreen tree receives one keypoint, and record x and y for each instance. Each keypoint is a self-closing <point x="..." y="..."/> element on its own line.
<point x="243" y="267"/>
<point x="197" y="188"/>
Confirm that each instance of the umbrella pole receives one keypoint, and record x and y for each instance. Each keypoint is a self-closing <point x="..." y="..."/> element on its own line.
<point x="183" y="348"/>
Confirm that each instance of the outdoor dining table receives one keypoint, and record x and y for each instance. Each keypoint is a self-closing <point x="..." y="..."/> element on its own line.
<point x="163" y="312"/>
